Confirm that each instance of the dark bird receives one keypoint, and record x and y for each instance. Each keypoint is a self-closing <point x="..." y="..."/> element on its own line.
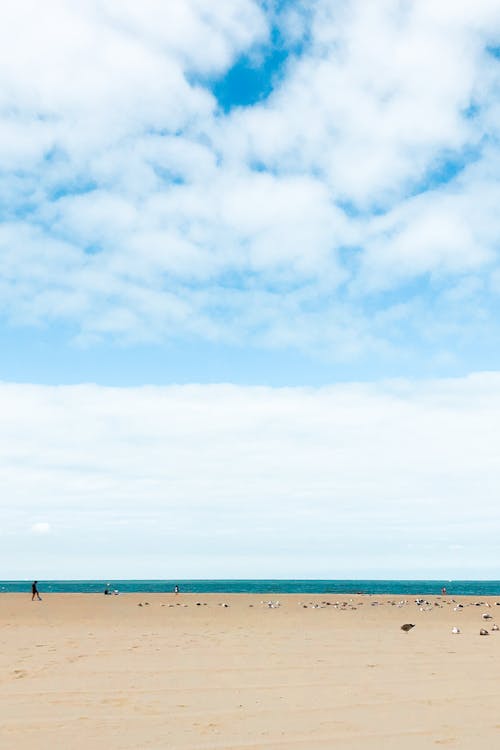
<point x="407" y="626"/>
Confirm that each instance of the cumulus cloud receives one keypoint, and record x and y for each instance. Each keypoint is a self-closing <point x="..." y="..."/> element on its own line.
<point x="204" y="481"/>
<point x="42" y="527"/>
<point x="136" y="209"/>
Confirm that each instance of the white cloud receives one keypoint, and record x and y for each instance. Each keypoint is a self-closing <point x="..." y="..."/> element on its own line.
<point x="350" y="480"/>
<point x="137" y="209"/>
<point x="42" y="527"/>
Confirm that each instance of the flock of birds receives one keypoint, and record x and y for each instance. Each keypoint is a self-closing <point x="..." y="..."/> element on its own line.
<point x="458" y="608"/>
<point x="423" y="604"/>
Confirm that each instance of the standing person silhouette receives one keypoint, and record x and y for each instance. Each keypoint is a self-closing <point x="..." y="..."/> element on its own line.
<point x="34" y="591"/>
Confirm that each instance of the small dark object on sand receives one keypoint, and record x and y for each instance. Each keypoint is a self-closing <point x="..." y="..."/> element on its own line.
<point x="483" y="632"/>
<point x="407" y="626"/>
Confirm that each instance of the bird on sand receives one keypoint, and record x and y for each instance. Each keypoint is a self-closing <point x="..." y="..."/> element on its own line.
<point x="407" y="626"/>
<point x="483" y="632"/>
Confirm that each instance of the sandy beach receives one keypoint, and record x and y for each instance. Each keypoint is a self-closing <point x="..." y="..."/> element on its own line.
<point x="91" y="671"/>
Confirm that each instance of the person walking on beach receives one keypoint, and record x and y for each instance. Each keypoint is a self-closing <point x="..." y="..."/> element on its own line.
<point x="176" y="589"/>
<point x="34" y="591"/>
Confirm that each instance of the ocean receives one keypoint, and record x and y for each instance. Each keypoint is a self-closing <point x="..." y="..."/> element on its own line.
<point x="268" y="586"/>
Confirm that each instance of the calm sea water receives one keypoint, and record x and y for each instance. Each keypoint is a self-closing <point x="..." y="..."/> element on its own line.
<point x="280" y="586"/>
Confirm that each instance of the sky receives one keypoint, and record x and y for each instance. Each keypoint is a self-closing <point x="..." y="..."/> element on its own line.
<point x="249" y="288"/>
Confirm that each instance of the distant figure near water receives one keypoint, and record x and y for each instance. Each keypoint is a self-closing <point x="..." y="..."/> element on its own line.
<point x="34" y="591"/>
<point x="443" y="591"/>
<point x="176" y="589"/>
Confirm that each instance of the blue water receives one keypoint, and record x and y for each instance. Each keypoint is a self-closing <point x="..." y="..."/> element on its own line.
<point x="280" y="586"/>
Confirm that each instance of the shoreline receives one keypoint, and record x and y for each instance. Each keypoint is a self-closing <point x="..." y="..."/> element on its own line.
<point x="265" y="587"/>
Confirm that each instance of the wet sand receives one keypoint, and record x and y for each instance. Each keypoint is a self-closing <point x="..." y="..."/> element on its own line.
<point x="87" y="671"/>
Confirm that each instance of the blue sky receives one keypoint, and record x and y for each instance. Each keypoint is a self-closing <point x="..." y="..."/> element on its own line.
<point x="298" y="199"/>
<point x="275" y="194"/>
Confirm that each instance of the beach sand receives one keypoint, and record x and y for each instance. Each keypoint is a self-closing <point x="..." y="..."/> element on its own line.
<point x="91" y="671"/>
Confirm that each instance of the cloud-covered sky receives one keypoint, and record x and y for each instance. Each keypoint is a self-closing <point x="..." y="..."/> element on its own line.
<point x="319" y="178"/>
<point x="276" y="193"/>
<point x="389" y="480"/>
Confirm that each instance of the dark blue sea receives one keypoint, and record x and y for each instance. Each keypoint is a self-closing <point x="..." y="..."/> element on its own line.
<point x="279" y="586"/>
